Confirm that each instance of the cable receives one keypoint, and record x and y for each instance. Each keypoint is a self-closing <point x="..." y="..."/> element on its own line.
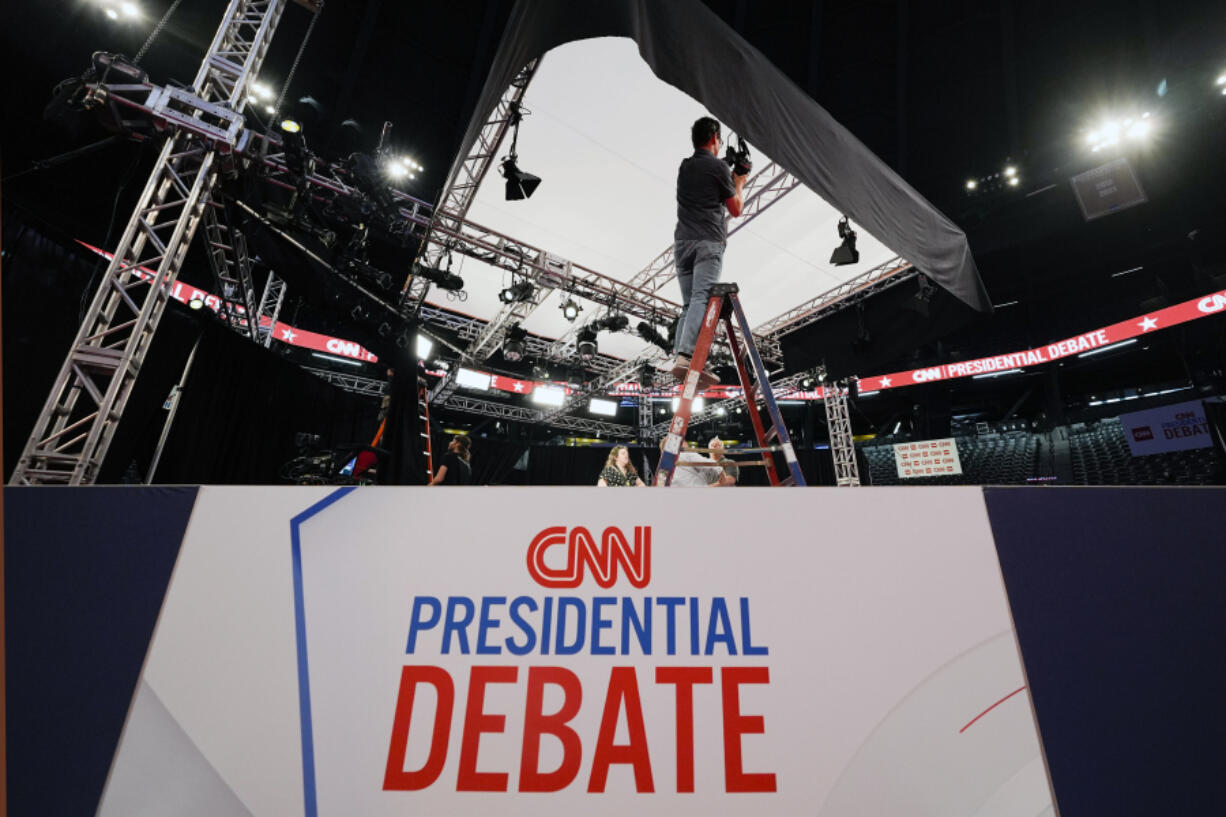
<point x="297" y="58"/>
<point x="157" y="29"/>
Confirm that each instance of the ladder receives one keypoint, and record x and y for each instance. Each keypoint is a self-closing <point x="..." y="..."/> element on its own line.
<point x="423" y="414"/>
<point x="724" y="305"/>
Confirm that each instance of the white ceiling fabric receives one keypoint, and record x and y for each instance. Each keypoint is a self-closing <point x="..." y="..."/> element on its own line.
<point x="606" y="136"/>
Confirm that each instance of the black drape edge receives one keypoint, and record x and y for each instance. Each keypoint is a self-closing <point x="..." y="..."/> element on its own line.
<point x="690" y="48"/>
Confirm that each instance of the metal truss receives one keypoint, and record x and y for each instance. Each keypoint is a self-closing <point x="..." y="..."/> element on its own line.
<point x="356" y="384"/>
<point x="489" y="408"/>
<point x="270" y="308"/>
<point x="842" y="446"/>
<point x="462" y="187"/>
<point x="850" y="291"/>
<point x="74" y="430"/>
<point x="493" y="333"/>
<point x="226" y="248"/>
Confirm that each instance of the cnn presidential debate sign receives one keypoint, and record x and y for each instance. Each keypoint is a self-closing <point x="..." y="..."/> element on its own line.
<point x="574" y="651"/>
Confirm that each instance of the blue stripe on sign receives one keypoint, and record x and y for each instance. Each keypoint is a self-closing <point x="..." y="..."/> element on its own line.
<point x="304" y="680"/>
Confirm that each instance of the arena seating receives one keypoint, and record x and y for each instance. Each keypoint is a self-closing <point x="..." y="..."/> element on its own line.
<point x="992" y="459"/>
<point x="1101" y="457"/>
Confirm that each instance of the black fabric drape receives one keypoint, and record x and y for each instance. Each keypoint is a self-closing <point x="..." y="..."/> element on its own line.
<point x="690" y="48"/>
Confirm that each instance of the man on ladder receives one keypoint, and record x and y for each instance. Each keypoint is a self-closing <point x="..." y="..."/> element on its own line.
<point x="706" y="187"/>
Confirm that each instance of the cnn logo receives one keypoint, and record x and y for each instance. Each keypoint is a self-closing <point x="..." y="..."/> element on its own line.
<point x="583" y="553"/>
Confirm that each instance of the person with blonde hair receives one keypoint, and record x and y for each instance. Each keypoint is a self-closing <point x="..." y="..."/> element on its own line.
<point x="618" y="471"/>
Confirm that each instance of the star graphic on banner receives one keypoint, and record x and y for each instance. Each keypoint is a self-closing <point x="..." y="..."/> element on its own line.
<point x="885" y="381"/>
<point x="287" y="335"/>
<point x="519" y="386"/>
<point x="1147" y="323"/>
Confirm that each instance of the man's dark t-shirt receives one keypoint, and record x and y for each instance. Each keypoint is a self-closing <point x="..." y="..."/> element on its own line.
<point x="459" y="472"/>
<point x="704" y="183"/>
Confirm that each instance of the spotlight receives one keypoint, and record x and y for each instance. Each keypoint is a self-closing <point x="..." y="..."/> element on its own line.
<point x="971" y="184"/>
<point x="808" y="383"/>
<point x="112" y="14"/>
<point x="130" y="9"/>
<point x="1221" y="80"/>
<point x="1010" y="171"/>
<point x="585" y="344"/>
<point x="520" y="185"/>
<point x="541" y="372"/>
<point x="261" y="90"/>
<point x="195" y="303"/>
<point x="570" y="309"/>
<point x="846" y="253"/>
<point x="424" y="346"/>
<point x="443" y="279"/>
<point x="513" y="347"/>
<point x="647" y="378"/>
<point x="1014" y="181"/>
<point x="607" y="408"/>
<point x="290" y="126"/>
<point x="520" y="291"/>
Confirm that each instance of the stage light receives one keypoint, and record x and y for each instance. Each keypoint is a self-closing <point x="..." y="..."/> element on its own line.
<point x="971" y="184"/>
<point x="553" y="396"/>
<point x="424" y="346"/>
<point x="1011" y="171"/>
<point x="195" y="303"/>
<point x="720" y="411"/>
<point x="585" y="343"/>
<point x="514" y="346"/>
<point x="1222" y="80"/>
<point x="129" y="9"/>
<point x="570" y="309"/>
<point x="605" y="408"/>
<point x="290" y="126"/>
<point x="335" y="359"/>
<point x="261" y="91"/>
<point x="696" y="405"/>
<point x="611" y="323"/>
<point x="808" y="383"/>
<point x="395" y="170"/>
<point x="470" y="379"/>
<point x="520" y="185"/>
<point x="1014" y="181"/>
<point x="112" y="14"/>
<point x="647" y="378"/>
<point x="519" y="291"/>
<point x="270" y="110"/>
<point x="846" y="253"/>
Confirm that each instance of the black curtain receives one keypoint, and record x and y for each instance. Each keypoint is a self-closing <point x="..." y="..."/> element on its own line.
<point x="238" y="415"/>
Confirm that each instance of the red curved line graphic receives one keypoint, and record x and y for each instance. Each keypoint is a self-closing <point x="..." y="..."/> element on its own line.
<point x="990" y="708"/>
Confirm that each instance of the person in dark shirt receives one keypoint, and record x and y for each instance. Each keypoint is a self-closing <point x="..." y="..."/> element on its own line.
<point x="619" y="471"/>
<point x="456" y="468"/>
<point x="706" y="188"/>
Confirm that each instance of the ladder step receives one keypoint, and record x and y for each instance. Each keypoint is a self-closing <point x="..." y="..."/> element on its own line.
<point x="772" y="433"/>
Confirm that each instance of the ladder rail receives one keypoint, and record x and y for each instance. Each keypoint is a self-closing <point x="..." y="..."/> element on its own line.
<point x="751" y="403"/>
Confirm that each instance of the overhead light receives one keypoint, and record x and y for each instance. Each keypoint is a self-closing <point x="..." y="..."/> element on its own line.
<point x="1221" y="80"/>
<point x="867" y="393"/>
<point x="1006" y="303"/>
<point x="807" y="384"/>
<point x="424" y="346"/>
<point x="261" y="90"/>
<point x="335" y="359"/>
<point x="270" y="110"/>
<point x="290" y="126"/>
<point x="520" y="185"/>
<point x="585" y="343"/>
<point x="549" y="395"/>
<point x="696" y="405"/>
<point x="519" y="291"/>
<point x="1013" y="181"/>
<point x="111" y="13"/>
<point x="1125" y="272"/>
<point x="396" y="170"/>
<point x="720" y="411"/>
<point x="129" y="9"/>
<point x="514" y="346"/>
<point x="846" y="253"/>
<point x="1102" y="349"/>
<point x="971" y="184"/>
<point x="470" y="379"/>
<point x="195" y="303"/>
<point x="570" y="309"/>
<point x="1010" y="171"/>
<point x="606" y="408"/>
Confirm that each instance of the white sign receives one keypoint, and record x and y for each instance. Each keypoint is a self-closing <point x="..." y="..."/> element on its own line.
<point x="930" y="458"/>
<point x="547" y="652"/>
<point x="1177" y="427"/>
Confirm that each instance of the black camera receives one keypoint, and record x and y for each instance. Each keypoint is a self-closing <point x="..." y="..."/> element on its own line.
<point x="738" y="158"/>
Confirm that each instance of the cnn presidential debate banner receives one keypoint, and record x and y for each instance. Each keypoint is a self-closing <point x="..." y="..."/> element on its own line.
<point x="240" y="651"/>
<point x="565" y="651"/>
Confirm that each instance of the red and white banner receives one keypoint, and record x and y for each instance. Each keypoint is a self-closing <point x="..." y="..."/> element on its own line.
<point x="1177" y="427"/>
<point x="929" y="458"/>
<point x="1194" y="309"/>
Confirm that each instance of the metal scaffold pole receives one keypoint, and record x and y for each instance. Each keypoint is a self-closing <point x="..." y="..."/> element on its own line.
<point x="78" y="421"/>
<point x="842" y="446"/>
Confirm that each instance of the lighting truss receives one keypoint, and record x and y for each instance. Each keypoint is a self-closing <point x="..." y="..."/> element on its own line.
<point x="892" y="272"/>
<point x="465" y="178"/>
<point x="353" y="383"/>
<point x="73" y="432"/>
<point x="503" y="411"/>
<point x="226" y="248"/>
<point x="842" y="444"/>
<point x="270" y="308"/>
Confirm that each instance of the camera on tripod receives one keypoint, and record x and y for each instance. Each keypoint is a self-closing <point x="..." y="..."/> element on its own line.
<point x="738" y="157"/>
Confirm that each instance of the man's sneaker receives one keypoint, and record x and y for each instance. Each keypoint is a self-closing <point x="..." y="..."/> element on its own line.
<point x="679" y="366"/>
<point x="707" y="378"/>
